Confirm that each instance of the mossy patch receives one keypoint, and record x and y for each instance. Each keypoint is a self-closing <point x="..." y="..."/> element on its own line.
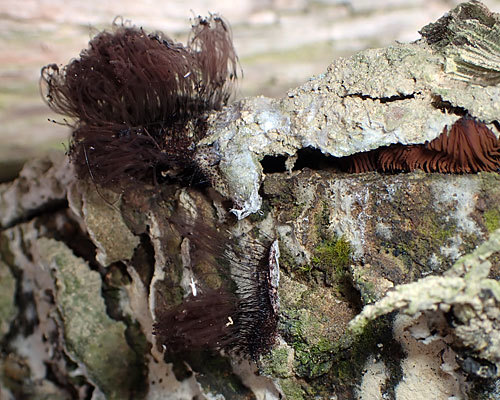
<point x="276" y="363"/>
<point x="333" y="257"/>
<point x="492" y="219"/>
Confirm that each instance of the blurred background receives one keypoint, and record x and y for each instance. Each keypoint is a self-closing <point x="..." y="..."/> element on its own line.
<point x="280" y="43"/>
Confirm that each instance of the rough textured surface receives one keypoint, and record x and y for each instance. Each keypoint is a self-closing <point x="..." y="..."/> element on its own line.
<point x="41" y="185"/>
<point x="108" y="231"/>
<point x="8" y="309"/>
<point x="90" y="273"/>
<point x="92" y="338"/>
<point x="344" y="240"/>
<point x="465" y="289"/>
<point x="400" y="94"/>
<point x="303" y="35"/>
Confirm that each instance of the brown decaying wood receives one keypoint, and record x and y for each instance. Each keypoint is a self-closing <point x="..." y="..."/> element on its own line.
<point x="469" y="146"/>
<point x="132" y="95"/>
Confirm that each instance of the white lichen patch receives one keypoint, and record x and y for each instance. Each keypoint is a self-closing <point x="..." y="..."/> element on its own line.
<point x="458" y="193"/>
<point x="375" y="98"/>
<point x="375" y="375"/>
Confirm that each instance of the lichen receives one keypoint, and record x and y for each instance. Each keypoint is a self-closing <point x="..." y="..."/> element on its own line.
<point x="370" y="284"/>
<point x="292" y="389"/>
<point x="8" y="308"/>
<point x="465" y="289"/>
<point x="312" y="322"/>
<point x="92" y="338"/>
<point x="375" y="98"/>
<point x="105" y="224"/>
<point x="433" y="219"/>
<point x="277" y="363"/>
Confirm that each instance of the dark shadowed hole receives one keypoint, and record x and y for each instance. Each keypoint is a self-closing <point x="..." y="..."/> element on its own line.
<point x="271" y="164"/>
<point x="315" y="159"/>
<point x="446" y="106"/>
<point x="497" y="125"/>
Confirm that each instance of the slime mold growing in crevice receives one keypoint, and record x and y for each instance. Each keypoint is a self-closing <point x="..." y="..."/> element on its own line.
<point x="139" y="101"/>
<point x="242" y="319"/>
<point x="469" y="146"/>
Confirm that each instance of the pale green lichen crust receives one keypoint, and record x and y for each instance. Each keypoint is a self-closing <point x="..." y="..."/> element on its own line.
<point x="8" y="308"/>
<point x="104" y="222"/>
<point x="92" y="338"/>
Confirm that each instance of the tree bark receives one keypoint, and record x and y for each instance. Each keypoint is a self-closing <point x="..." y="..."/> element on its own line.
<point x="85" y="272"/>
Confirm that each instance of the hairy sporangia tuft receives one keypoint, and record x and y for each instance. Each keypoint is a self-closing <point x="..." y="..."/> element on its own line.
<point x="242" y="320"/>
<point x="469" y="146"/>
<point x="138" y="101"/>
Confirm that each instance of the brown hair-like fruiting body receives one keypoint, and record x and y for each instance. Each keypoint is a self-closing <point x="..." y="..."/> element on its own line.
<point x="243" y="320"/>
<point x="469" y="146"/>
<point x="138" y="100"/>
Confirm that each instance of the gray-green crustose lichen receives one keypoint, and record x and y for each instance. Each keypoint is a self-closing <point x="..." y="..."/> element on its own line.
<point x="313" y="319"/>
<point x="276" y="362"/>
<point x="292" y="389"/>
<point x="105" y="224"/>
<point x="465" y="289"/>
<point x="91" y="337"/>
<point x="8" y="308"/>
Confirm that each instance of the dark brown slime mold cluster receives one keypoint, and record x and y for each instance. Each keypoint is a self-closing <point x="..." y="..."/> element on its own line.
<point x="469" y="146"/>
<point x="242" y="320"/>
<point x="138" y="100"/>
